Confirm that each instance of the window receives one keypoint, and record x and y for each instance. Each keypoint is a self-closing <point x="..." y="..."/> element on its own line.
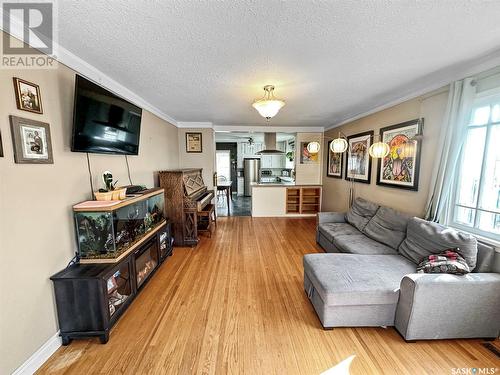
<point x="476" y="205"/>
<point x="223" y="164"/>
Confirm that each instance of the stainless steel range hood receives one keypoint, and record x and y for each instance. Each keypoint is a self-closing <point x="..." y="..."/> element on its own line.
<point x="270" y="144"/>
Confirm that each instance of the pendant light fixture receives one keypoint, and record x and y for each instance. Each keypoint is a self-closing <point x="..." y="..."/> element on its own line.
<point x="338" y="145"/>
<point x="313" y="147"/>
<point x="379" y="150"/>
<point x="268" y="106"/>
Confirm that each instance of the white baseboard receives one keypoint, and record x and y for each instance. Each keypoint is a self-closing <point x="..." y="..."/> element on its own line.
<point x="40" y="356"/>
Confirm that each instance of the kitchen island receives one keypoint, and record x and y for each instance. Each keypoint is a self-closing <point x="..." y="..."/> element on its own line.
<point x="285" y="199"/>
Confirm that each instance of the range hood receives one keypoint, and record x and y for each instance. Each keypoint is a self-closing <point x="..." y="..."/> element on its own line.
<point x="270" y="144"/>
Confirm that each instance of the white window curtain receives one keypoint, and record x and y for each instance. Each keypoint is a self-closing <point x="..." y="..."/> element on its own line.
<point x="451" y="140"/>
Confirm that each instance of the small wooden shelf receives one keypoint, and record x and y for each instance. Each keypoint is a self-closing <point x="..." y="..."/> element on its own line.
<point x="303" y="200"/>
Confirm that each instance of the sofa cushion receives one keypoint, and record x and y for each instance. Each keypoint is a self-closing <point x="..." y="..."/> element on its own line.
<point x="485" y="258"/>
<point x="424" y="238"/>
<point x="350" y="279"/>
<point x="361" y="212"/>
<point x="387" y="226"/>
<point x="361" y="244"/>
<point x="332" y="230"/>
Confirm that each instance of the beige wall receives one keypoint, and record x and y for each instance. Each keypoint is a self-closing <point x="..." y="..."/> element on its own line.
<point x="36" y="227"/>
<point x="205" y="159"/>
<point x="308" y="174"/>
<point x="431" y="107"/>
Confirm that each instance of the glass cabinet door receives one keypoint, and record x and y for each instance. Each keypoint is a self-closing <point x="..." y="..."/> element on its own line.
<point x="146" y="262"/>
<point x="119" y="287"/>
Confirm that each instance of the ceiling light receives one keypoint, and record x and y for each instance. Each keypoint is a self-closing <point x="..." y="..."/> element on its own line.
<point x="268" y="106"/>
<point x="313" y="147"/>
<point x="338" y="145"/>
<point x="379" y="150"/>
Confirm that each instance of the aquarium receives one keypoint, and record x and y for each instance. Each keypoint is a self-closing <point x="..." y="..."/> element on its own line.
<point x="106" y="232"/>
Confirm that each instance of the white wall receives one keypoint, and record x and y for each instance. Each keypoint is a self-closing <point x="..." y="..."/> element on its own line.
<point x="36" y="226"/>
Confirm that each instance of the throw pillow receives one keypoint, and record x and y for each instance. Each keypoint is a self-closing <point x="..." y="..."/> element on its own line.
<point x="361" y="212"/>
<point x="449" y="261"/>
<point x="424" y="238"/>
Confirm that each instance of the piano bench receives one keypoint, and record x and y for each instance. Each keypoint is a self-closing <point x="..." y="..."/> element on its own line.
<point x="205" y="219"/>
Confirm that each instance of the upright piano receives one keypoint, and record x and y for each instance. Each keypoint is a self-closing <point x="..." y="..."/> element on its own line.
<point x="185" y="195"/>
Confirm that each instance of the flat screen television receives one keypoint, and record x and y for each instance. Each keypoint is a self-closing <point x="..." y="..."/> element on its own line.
<point x="104" y="123"/>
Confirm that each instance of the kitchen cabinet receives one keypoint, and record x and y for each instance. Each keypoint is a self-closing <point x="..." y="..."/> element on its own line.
<point x="266" y="161"/>
<point x="276" y="200"/>
<point x="246" y="150"/>
<point x="278" y="161"/>
<point x="268" y="201"/>
<point x="303" y="200"/>
<point x="272" y="162"/>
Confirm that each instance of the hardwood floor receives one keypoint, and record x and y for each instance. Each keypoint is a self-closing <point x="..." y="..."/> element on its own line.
<point x="235" y="304"/>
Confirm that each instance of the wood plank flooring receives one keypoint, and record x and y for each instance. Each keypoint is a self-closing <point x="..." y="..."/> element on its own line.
<point x="235" y="305"/>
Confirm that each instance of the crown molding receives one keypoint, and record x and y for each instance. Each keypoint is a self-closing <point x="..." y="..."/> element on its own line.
<point x="431" y="82"/>
<point x="194" y="124"/>
<point x="268" y="129"/>
<point x="90" y="72"/>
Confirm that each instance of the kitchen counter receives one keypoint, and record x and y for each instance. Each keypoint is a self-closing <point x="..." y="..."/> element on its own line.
<point x="284" y="181"/>
<point x="274" y="184"/>
<point x="270" y="199"/>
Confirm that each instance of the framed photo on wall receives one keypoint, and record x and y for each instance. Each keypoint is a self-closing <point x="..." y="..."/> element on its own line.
<point x="28" y="96"/>
<point x="359" y="164"/>
<point x="305" y="156"/>
<point x="334" y="163"/>
<point x="194" y="142"/>
<point x="31" y="141"/>
<point x="400" y="168"/>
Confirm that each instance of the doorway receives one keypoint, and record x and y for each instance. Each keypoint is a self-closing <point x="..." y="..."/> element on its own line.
<point x="226" y="156"/>
<point x="223" y="162"/>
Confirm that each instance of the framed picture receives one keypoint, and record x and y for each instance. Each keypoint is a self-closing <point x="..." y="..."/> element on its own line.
<point x="400" y="168"/>
<point x="1" y="146"/>
<point x="27" y="96"/>
<point x="359" y="164"/>
<point x="334" y="163"/>
<point x="31" y="140"/>
<point x="194" y="142"/>
<point x="305" y="156"/>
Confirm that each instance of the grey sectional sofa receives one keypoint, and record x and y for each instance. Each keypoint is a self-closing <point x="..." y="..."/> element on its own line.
<point x="368" y="276"/>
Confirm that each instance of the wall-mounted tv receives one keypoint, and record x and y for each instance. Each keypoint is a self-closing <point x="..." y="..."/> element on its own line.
<point x="104" y="123"/>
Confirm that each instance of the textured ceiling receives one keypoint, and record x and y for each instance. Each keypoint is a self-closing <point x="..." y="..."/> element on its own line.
<point x="208" y="60"/>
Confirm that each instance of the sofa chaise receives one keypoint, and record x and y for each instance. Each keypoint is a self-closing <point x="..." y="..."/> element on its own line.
<point x="368" y="276"/>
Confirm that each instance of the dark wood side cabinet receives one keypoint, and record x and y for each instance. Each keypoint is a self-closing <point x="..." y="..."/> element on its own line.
<point x="90" y="298"/>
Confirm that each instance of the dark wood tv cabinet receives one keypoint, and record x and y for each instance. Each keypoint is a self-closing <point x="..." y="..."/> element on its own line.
<point x="90" y="298"/>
